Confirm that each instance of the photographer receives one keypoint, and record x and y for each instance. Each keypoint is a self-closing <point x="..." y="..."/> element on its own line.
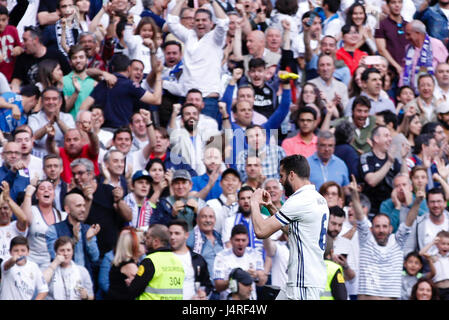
<point x="179" y="206"/>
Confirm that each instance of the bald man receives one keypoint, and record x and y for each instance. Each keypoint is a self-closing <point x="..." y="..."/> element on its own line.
<point x="256" y="44"/>
<point x="86" y="251"/>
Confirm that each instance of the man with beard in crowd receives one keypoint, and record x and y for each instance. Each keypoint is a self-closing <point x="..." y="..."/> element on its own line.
<point x="77" y="84"/>
<point x="186" y="142"/>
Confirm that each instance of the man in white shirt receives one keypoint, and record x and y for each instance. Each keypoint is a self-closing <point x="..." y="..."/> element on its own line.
<point x="238" y="256"/>
<point x="32" y="163"/>
<point x="195" y="267"/>
<point x="203" y="52"/>
<point x="441" y="91"/>
<point x="306" y="214"/>
<point x="333" y="89"/>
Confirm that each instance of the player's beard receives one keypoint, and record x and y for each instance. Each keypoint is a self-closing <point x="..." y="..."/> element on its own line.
<point x="288" y="188"/>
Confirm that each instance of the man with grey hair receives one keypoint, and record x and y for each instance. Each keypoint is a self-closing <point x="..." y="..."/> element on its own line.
<point x="275" y="189"/>
<point x="401" y="201"/>
<point x="155" y="10"/>
<point x="422" y="54"/>
<point x="104" y="204"/>
<point x="324" y="165"/>
<point x="112" y="167"/>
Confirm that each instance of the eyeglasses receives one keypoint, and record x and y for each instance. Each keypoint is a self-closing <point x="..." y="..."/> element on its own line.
<point x="400" y="30"/>
<point x="78" y="173"/>
<point x="16" y="153"/>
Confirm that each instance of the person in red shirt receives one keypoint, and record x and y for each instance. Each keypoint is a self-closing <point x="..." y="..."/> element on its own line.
<point x="349" y="52"/>
<point x="74" y="149"/>
<point x="10" y="45"/>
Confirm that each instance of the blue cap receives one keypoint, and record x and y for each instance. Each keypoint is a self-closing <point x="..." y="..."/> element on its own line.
<point x="141" y="174"/>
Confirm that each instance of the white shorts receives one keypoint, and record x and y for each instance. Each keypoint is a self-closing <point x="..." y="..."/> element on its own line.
<point x="297" y="293"/>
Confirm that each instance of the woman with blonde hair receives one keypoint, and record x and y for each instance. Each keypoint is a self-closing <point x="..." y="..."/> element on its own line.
<point x="129" y="250"/>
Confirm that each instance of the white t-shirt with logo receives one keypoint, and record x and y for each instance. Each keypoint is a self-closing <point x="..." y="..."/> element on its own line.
<point x="22" y="282"/>
<point x="188" y="290"/>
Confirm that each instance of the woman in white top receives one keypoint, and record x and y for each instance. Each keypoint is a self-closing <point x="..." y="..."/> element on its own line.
<point x="40" y="217"/>
<point x="66" y="280"/>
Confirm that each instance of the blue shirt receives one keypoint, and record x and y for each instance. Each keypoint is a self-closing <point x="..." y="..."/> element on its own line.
<point x="148" y="13"/>
<point x="17" y="180"/>
<point x="199" y="182"/>
<point x="7" y="122"/>
<point x="117" y="102"/>
<point x="335" y="170"/>
<point x="209" y="250"/>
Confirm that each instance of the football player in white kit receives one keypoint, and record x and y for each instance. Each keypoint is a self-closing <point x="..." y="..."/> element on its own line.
<point x="306" y="214"/>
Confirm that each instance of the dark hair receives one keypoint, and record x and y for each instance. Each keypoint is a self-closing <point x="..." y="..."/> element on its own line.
<point x="389" y="117"/>
<point x="153" y="161"/>
<point x="179" y="222"/>
<point x="416" y="255"/>
<point x="144" y="21"/>
<point x="243" y="189"/>
<point x="171" y="43"/>
<point x="52" y="88"/>
<point x="422" y="139"/>
<point x="354" y="89"/>
<point x="344" y="132"/>
<point x="405" y="124"/>
<point x="51" y="156"/>
<point x="367" y="72"/>
<point x="318" y="101"/>
<point x="19" y="240"/>
<point x="120" y="130"/>
<point x="62" y="241"/>
<point x="435" y="290"/>
<point x="75" y="49"/>
<point x="337" y="211"/>
<point x="194" y="90"/>
<point x="361" y="100"/>
<point x="430" y="127"/>
<point x="45" y="70"/>
<point x="327" y="185"/>
<point x="17" y="131"/>
<point x="119" y="63"/>
<point x="206" y="11"/>
<point x="238" y="229"/>
<point x="306" y="110"/>
<point x="296" y="163"/>
<point x="332" y="5"/>
<point x="231" y="171"/>
<point x="404" y="87"/>
<point x="350" y="11"/>
<point x="288" y="7"/>
<point x="35" y="32"/>
<point x="435" y="191"/>
<point x="30" y="90"/>
<point x="256" y="63"/>
<point x="347" y="28"/>
<point x="120" y="27"/>
<point x="4" y="10"/>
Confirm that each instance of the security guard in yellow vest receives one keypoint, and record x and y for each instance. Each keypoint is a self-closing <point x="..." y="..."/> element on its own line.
<point x="161" y="274"/>
<point x="335" y="284"/>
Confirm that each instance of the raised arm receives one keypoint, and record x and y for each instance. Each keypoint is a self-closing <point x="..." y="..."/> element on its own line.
<point x="357" y="206"/>
<point x="22" y="220"/>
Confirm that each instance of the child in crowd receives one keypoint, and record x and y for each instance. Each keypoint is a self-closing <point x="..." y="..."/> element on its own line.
<point x="441" y="262"/>
<point x="413" y="265"/>
<point x="21" y="279"/>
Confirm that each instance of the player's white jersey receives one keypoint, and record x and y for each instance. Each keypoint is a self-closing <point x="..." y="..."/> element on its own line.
<point x="306" y="213"/>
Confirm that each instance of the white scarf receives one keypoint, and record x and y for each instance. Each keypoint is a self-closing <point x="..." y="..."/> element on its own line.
<point x="198" y="245"/>
<point x="70" y="41"/>
<point x="66" y="282"/>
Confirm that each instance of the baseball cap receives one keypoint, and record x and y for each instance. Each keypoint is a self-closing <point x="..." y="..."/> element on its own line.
<point x="443" y="107"/>
<point x="141" y="174"/>
<point x="181" y="174"/>
<point x="241" y="276"/>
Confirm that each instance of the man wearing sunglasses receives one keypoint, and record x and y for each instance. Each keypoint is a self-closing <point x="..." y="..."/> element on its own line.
<point x="390" y="36"/>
